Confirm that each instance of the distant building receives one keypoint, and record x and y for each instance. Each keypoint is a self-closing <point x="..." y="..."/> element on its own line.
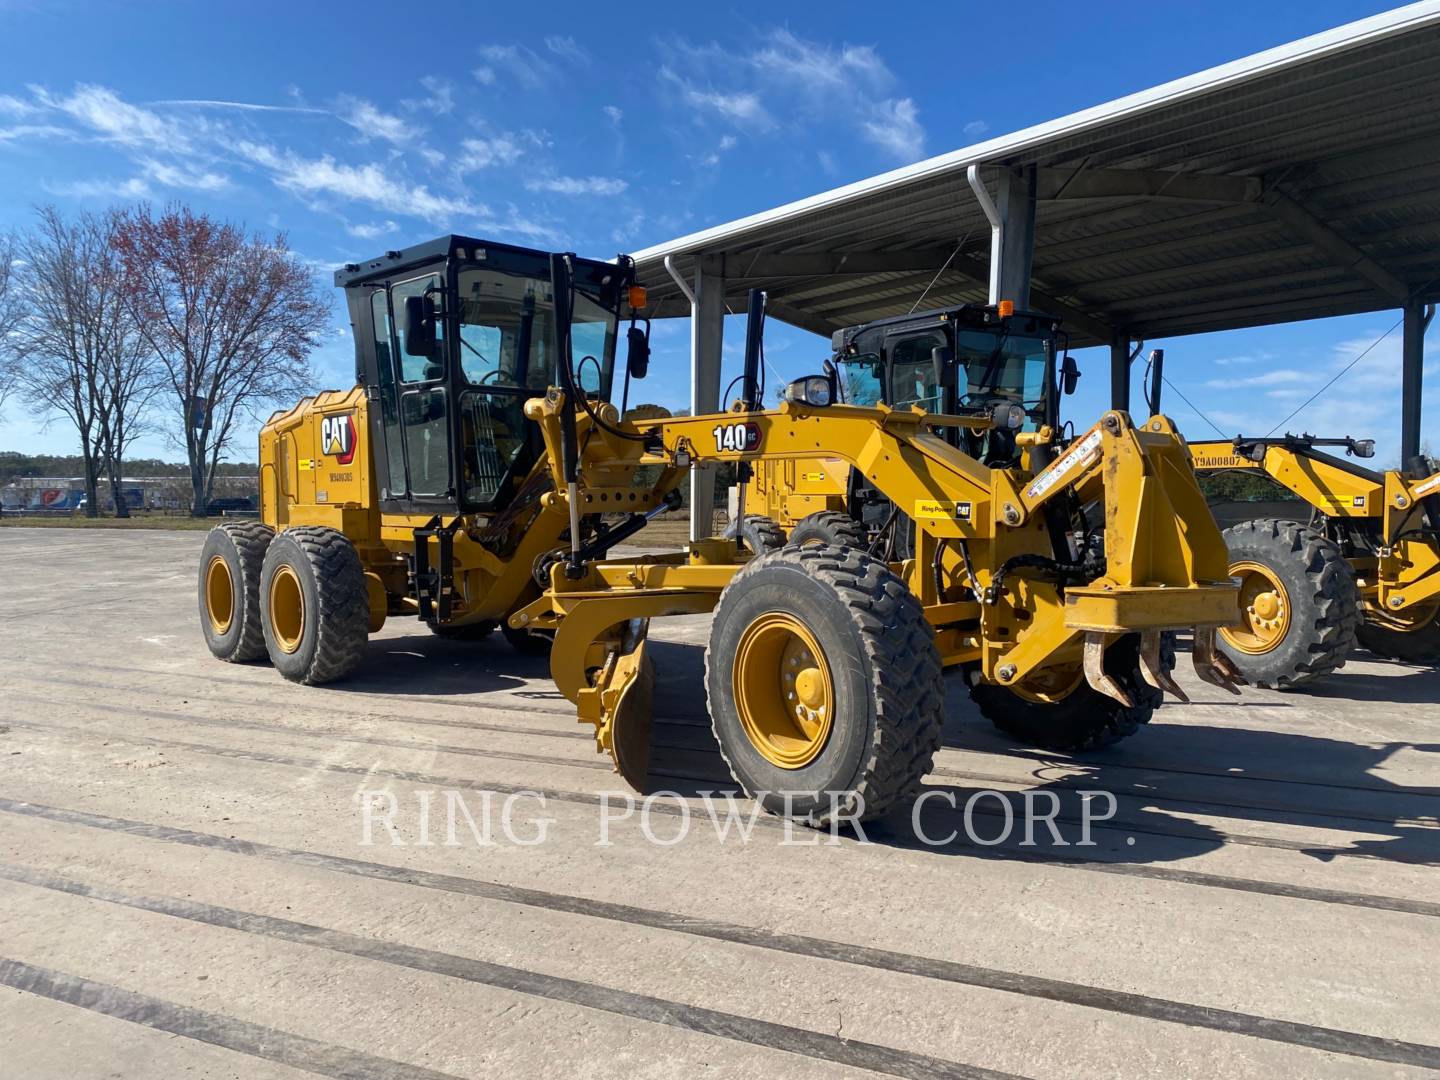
<point x="54" y="495"/>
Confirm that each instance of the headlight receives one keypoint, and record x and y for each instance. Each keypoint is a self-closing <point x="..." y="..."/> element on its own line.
<point x="811" y="390"/>
<point x="1008" y="415"/>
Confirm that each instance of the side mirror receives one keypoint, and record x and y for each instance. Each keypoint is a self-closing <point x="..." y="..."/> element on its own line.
<point x="1069" y="374"/>
<point x="1362" y="447"/>
<point x="942" y="359"/>
<point x="419" y="326"/>
<point x="637" y="358"/>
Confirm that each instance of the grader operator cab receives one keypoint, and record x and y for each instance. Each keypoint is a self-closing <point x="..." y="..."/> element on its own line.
<point x="1364" y="567"/>
<point x="481" y="470"/>
<point x="969" y="360"/>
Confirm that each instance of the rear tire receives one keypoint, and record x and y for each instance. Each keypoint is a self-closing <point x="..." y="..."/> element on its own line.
<point x="1084" y="719"/>
<point x="230" y="568"/>
<point x="1417" y="644"/>
<point x="829" y="527"/>
<point x="529" y="642"/>
<point x="477" y="631"/>
<point x="1311" y="598"/>
<point x="760" y="534"/>
<point x="314" y="606"/>
<point x="860" y="652"/>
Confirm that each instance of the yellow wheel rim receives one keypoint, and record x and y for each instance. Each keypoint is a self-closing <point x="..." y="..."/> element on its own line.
<point x="1408" y="621"/>
<point x="783" y="690"/>
<point x="219" y="594"/>
<point x="1264" y="610"/>
<point x="1052" y="684"/>
<point x="287" y="609"/>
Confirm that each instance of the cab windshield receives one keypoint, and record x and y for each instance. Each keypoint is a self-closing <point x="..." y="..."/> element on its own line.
<point x="507" y="333"/>
<point x="1004" y="368"/>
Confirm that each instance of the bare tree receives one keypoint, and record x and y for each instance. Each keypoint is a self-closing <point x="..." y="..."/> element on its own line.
<point x="232" y="319"/>
<point x="9" y="317"/>
<point x="72" y="321"/>
<point x="129" y="382"/>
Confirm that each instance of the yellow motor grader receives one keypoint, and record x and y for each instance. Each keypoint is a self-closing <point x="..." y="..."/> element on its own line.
<point x="487" y="463"/>
<point x="1364" y="567"/>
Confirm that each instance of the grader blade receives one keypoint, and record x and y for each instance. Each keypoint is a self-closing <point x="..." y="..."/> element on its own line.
<point x="1095" y="673"/>
<point x="1153" y="671"/>
<point x="1211" y="665"/>
<point x="627" y="702"/>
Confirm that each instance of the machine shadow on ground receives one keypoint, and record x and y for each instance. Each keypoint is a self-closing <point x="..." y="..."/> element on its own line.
<point x="1161" y="779"/>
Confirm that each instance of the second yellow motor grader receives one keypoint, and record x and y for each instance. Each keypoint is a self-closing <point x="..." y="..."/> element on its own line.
<point x="1362" y="565"/>
<point x="488" y="461"/>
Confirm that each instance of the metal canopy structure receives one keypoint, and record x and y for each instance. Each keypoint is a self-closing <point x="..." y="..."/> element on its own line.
<point x="1298" y="183"/>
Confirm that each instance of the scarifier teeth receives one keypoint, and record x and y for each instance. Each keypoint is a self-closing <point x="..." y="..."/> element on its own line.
<point x="1210" y="664"/>
<point x="1095" y="673"/>
<point x="1153" y="670"/>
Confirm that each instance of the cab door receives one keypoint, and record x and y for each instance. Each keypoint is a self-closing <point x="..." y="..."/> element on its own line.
<point x="424" y="422"/>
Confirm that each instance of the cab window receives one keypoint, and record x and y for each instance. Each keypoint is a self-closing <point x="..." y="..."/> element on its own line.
<point x="416" y="368"/>
<point x="912" y="372"/>
<point x="860" y="380"/>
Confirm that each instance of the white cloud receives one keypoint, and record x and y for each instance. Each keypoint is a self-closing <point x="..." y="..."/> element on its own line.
<point x="578" y="185"/>
<point x="816" y="66"/>
<point x="134" y="188"/>
<point x="726" y="144"/>
<point x="13" y="106"/>
<point x="503" y="149"/>
<point x="975" y="128"/>
<point x="895" y="127"/>
<point x="32" y="131"/>
<point x="567" y="49"/>
<point x="369" y="183"/>
<point x="104" y="112"/>
<point x="373" y="123"/>
<point x="1269" y="378"/>
<point x="439" y="97"/>
<point x="741" y="107"/>
<point x="786" y="83"/>
<point x="372" y="231"/>
<point x="178" y="177"/>
<point x="519" y="65"/>
<point x="613" y="114"/>
<point x="242" y="106"/>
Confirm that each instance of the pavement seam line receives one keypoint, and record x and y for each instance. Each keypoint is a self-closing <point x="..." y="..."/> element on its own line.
<point x="1331" y="1040"/>
<point x="240" y="1036"/>
<point x="887" y="1060"/>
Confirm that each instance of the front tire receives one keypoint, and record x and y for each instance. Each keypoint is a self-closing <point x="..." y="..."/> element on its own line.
<point x="824" y="684"/>
<point x="1084" y="718"/>
<point x="314" y="606"/>
<point x="230" y="569"/>
<point x="1299" y="604"/>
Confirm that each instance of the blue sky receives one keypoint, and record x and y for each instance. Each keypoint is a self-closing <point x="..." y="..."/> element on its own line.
<point x="599" y="129"/>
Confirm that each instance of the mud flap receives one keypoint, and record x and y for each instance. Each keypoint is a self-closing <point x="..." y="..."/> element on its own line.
<point x="627" y="694"/>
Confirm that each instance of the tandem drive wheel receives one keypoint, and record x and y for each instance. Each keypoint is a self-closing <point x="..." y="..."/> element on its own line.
<point x="230" y="590"/>
<point x="315" y="610"/>
<point x="824" y="684"/>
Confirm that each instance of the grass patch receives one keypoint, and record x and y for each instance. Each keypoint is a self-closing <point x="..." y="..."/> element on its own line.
<point x="148" y="521"/>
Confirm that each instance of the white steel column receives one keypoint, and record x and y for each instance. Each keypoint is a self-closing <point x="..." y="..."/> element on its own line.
<point x="707" y="331"/>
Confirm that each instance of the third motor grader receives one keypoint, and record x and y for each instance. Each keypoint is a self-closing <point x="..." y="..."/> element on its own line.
<point x="487" y="462"/>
